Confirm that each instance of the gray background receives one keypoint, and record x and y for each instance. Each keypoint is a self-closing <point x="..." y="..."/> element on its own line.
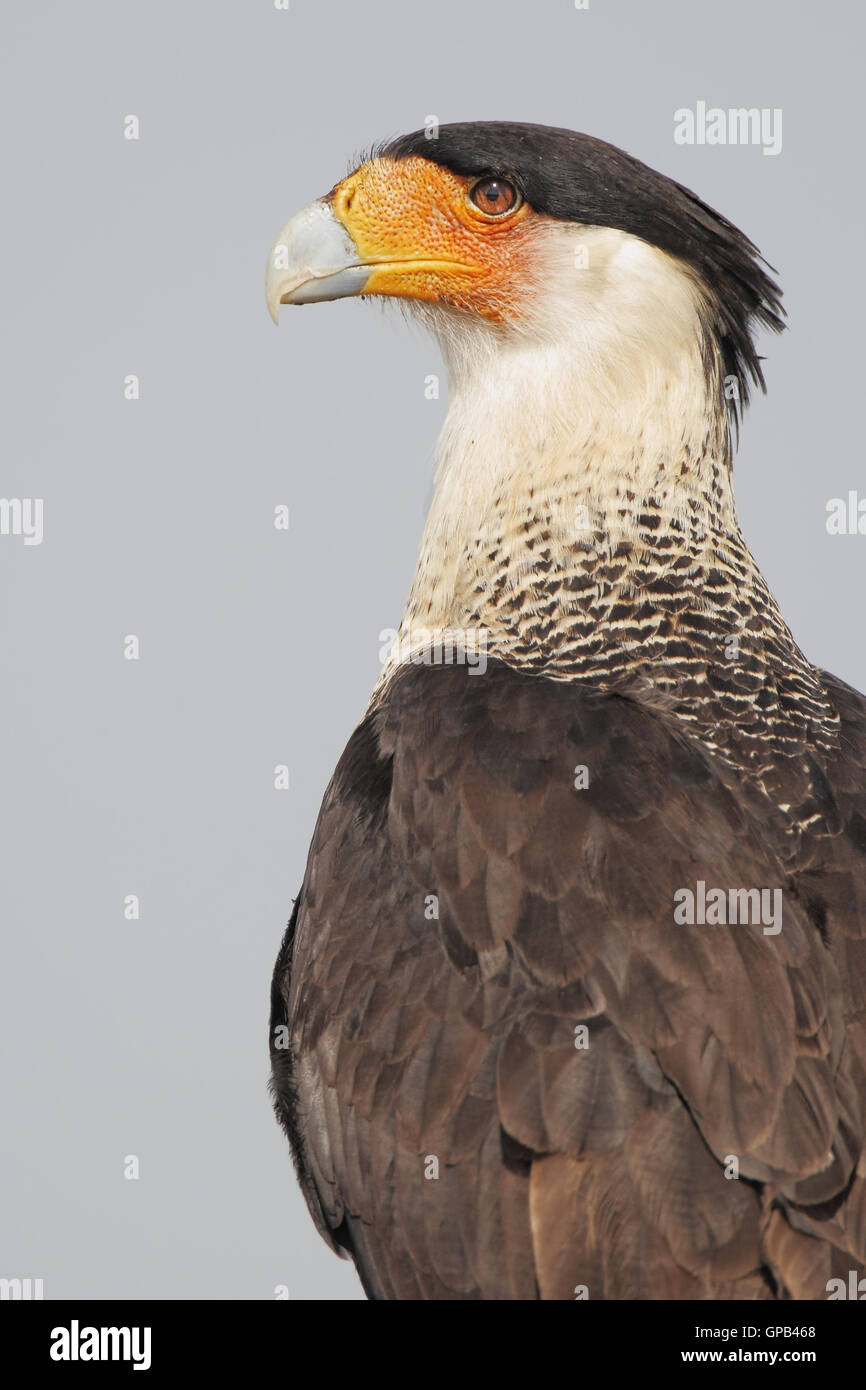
<point x="156" y="777"/>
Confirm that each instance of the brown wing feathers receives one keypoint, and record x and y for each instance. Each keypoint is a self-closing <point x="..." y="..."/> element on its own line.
<point x="467" y="909"/>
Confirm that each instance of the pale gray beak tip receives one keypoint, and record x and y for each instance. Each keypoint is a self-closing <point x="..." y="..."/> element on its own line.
<point x="313" y="259"/>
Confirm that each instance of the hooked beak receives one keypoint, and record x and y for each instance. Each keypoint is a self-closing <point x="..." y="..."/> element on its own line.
<point x="314" y="258"/>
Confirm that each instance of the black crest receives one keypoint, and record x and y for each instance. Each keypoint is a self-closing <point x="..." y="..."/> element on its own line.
<point x="580" y="179"/>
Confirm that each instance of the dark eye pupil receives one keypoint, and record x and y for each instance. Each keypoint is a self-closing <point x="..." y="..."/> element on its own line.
<point x="493" y="192"/>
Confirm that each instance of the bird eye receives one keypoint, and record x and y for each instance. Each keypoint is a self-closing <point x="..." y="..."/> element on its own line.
<point x="494" y="197"/>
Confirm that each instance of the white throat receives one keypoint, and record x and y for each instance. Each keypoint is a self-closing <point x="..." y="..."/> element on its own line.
<point x="605" y="401"/>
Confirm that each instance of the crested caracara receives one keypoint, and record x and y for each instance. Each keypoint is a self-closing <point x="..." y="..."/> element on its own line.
<point x="573" y="998"/>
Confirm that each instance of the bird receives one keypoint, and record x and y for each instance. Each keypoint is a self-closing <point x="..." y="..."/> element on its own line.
<point x="572" y="1001"/>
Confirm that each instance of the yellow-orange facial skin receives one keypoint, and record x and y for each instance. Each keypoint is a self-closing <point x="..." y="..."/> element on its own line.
<point x="416" y="223"/>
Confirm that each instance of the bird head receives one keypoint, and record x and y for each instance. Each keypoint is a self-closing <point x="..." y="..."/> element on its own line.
<point x="500" y="234"/>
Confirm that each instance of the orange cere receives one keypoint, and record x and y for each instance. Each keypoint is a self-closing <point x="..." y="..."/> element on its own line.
<point x="415" y="222"/>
